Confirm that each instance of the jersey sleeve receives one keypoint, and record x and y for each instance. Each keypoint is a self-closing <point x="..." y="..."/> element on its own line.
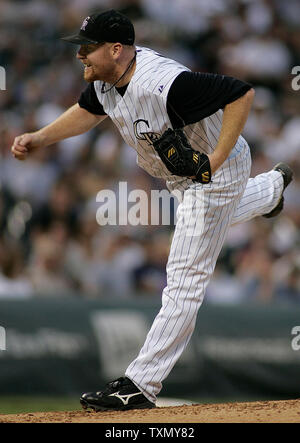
<point x="89" y="101"/>
<point x="194" y="96"/>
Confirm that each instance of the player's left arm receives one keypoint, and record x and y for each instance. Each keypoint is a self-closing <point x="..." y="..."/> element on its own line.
<point x="235" y="115"/>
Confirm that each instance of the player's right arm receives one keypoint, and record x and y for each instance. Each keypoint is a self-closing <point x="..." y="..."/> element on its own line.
<point x="75" y="121"/>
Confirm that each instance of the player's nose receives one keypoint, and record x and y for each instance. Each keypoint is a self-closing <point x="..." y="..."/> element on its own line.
<point x="80" y="53"/>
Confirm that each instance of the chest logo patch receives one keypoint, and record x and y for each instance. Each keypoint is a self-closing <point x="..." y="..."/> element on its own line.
<point x="141" y="131"/>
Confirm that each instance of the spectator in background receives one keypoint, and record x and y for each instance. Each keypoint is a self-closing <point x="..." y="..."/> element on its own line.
<point x="289" y="290"/>
<point x="59" y="207"/>
<point x="46" y="268"/>
<point x="150" y="276"/>
<point x="14" y="281"/>
<point x="83" y="255"/>
<point x="120" y="257"/>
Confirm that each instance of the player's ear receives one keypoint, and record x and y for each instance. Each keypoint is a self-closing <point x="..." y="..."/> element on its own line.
<point x="117" y="49"/>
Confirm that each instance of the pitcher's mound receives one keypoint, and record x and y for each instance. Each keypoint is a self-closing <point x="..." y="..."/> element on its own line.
<point x="283" y="411"/>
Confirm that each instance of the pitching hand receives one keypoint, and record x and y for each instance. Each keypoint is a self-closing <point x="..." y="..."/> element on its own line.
<point x="24" y="144"/>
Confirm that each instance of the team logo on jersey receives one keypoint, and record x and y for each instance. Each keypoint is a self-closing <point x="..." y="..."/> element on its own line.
<point x="140" y="131"/>
<point x="161" y="88"/>
<point x="85" y="23"/>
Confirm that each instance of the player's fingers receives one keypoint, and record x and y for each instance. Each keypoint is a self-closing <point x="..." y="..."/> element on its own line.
<point x="18" y="145"/>
<point x="19" y="148"/>
<point x="19" y="156"/>
<point x="25" y="139"/>
<point x="19" y="151"/>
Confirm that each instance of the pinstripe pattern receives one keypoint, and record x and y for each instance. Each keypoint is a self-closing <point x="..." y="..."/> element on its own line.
<point x="144" y="100"/>
<point x="204" y="215"/>
<point x="230" y="198"/>
<point x="259" y="196"/>
<point x="191" y="263"/>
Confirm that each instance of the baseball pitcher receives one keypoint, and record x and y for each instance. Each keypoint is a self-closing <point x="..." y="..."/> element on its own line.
<point x="185" y="128"/>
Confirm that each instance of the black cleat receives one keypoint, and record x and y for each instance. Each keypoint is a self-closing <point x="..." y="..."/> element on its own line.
<point x="119" y="395"/>
<point x="287" y="175"/>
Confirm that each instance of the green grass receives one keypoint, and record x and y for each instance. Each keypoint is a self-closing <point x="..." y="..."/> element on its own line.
<point x="24" y="404"/>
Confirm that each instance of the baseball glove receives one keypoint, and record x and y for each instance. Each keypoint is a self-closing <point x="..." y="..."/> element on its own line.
<point x="180" y="158"/>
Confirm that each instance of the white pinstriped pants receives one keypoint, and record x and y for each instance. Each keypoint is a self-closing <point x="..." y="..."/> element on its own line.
<point x="205" y="215"/>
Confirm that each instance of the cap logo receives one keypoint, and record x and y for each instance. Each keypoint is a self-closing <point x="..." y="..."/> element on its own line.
<point x="85" y="23"/>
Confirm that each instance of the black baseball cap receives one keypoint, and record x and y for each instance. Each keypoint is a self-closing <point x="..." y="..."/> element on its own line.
<point x="108" y="26"/>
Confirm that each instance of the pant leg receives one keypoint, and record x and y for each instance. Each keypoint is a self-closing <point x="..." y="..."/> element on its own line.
<point x="261" y="195"/>
<point x="204" y="218"/>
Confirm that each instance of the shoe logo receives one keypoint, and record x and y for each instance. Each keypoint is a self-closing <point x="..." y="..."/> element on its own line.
<point x="124" y="398"/>
<point x="161" y="88"/>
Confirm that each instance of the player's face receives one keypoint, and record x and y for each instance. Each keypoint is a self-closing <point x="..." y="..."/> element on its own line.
<point x="97" y="61"/>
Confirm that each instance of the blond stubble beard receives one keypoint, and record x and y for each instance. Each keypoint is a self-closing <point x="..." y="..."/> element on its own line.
<point x="106" y="75"/>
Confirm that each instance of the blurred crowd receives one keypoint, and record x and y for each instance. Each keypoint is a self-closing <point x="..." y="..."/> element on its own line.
<point x="50" y="240"/>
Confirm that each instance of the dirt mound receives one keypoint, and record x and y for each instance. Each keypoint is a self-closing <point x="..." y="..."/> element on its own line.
<point x="251" y="412"/>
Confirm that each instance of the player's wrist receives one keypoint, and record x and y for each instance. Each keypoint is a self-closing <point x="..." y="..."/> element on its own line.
<point x="218" y="157"/>
<point x="215" y="162"/>
<point x="41" y="138"/>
